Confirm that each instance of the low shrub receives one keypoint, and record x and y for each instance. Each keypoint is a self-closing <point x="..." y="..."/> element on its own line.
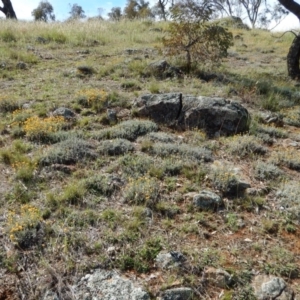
<point x="143" y="190"/>
<point x="39" y="129"/>
<point x="23" y="225"/>
<point x="245" y="145"/>
<point x="129" y="130"/>
<point x="69" y="152"/>
<point x="267" y="171"/>
<point x="8" y="105"/>
<point x="96" y="99"/>
<point x="100" y="185"/>
<point x="169" y="149"/>
<point x="133" y="165"/>
<point x="115" y="147"/>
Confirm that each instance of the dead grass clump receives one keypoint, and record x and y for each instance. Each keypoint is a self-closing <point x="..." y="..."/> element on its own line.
<point x="142" y="191"/>
<point x="245" y="145"/>
<point x="286" y="157"/>
<point x="8" y="105"/>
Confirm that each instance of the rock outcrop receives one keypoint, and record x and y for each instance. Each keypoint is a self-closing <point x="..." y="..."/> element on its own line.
<point x="271" y="287"/>
<point x="108" y="285"/>
<point x="216" y="116"/>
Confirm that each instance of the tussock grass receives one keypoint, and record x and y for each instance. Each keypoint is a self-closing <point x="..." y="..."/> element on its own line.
<point x="71" y="190"/>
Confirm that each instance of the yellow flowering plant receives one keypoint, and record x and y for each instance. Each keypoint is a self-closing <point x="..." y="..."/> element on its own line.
<point x="37" y="128"/>
<point x="18" y="222"/>
<point x="93" y="98"/>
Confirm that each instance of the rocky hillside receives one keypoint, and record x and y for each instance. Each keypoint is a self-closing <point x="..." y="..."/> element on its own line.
<point x="123" y="177"/>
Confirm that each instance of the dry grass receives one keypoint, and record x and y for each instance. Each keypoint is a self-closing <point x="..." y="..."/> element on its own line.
<point x="78" y="201"/>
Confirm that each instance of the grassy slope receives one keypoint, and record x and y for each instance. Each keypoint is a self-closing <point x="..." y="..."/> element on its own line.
<point x="82" y="213"/>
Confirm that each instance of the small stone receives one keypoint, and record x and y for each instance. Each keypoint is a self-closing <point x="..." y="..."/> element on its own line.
<point x="131" y="51"/>
<point x="111" y="250"/>
<point x="218" y="277"/>
<point x="21" y="65"/>
<point x="112" y="116"/>
<point x="207" y="200"/>
<point x="64" y="112"/>
<point x="27" y="105"/>
<point x="182" y="293"/>
<point x="41" y="40"/>
<point x="247" y="240"/>
<point x="169" y="260"/>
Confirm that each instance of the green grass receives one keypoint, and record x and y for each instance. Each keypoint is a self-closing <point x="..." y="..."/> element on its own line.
<point x="130" y="184"/>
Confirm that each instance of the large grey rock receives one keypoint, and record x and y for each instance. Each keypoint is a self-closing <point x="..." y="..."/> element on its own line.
<point x="207" y="200"/>
<point x="268" y="287"/>
<point x="108" y="285"/>
<point x="164" y="109"/>
<point x="217" y="116"/>
<point x="182" y="293"/>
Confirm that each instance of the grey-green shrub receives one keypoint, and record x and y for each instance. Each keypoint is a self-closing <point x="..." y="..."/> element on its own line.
<point x="184" y="151"/>
<point x="133" y="165"/>
<point x="245" y="145"/>
<point x="115" y="147"/>
<point x="100" y="184"/>
<point x="267" y="171"/>
<point x="162" y="137"/>
<point x="69" y="152"/>
<point x="129" y="130"/>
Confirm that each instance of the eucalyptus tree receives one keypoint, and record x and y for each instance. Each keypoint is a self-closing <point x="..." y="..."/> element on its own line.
<point x="8" y="9"/>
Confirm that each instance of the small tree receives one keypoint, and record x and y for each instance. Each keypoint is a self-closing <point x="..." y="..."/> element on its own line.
<point x="252" y="8"/>
<point x="137" y="9"/>
<point x="8" y="10"/>
<point x="144" y="11"/>
<point x="192" y="34"/>
<point x="43" y="12"/>
<point x="115" y="14"/>
<point x="130" y="10"/>
<point x="260" y="13"/>
<point x="160" y="9"/>
<point x="77" y="12"/>
<point x="274" y="13"/>
<point x="231" y="8"/>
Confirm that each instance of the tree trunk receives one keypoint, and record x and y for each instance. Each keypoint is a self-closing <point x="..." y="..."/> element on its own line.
<point x="8" y="10"/>
<point x="293" y="56"/>
<point x="188" y="60"/>
<point x="162" y="4"/>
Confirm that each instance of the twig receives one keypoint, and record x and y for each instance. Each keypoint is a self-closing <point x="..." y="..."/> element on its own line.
<point x="291" y="31"/>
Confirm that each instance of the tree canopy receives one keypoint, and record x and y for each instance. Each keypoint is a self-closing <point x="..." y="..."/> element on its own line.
<point x="77" y="12"/>
<point x="43" y="12"/>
